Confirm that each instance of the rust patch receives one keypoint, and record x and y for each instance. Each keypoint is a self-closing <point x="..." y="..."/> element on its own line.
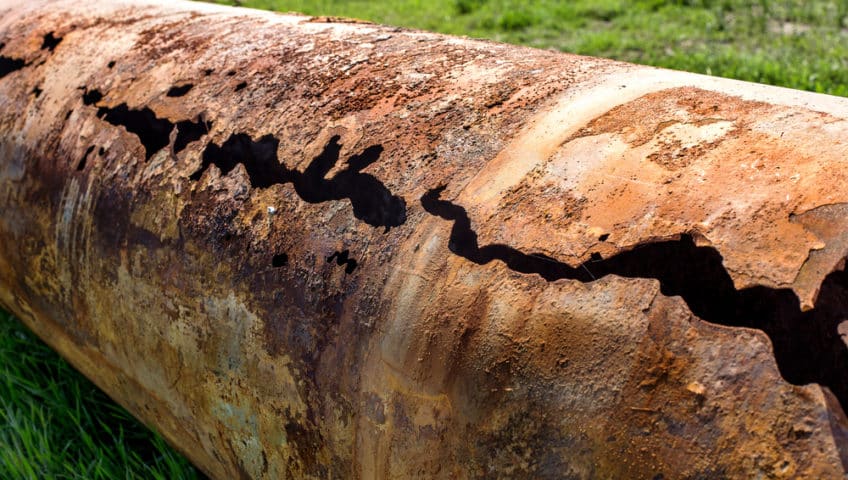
<point x="332" y="19"/>
<point x="704" y="148"/>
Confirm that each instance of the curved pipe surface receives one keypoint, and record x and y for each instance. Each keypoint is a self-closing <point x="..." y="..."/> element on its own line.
<point x="315" y="248"/>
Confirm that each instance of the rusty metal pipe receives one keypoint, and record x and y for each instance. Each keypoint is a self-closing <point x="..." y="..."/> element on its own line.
<point x="314" y="248"/>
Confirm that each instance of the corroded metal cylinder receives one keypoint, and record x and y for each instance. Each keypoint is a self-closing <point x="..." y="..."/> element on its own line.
<point x="311" y="248"/>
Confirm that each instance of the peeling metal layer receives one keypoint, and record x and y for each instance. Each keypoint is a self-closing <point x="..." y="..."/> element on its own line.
<point x="316" y="248"/>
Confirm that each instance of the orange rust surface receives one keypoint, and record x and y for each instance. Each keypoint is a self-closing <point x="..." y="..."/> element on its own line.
<point x="310" y="248"/>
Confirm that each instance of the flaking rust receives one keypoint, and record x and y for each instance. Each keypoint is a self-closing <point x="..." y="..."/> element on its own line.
<point x="311" y="248"/>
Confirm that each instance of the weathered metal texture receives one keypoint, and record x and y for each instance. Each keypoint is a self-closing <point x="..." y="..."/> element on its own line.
<point x="311" y="248"/>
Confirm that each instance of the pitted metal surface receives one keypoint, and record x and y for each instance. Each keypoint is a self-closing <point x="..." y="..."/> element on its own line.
<point x="317" y="248"/>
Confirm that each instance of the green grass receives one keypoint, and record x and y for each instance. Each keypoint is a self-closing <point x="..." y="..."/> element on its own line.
<point x="56" y="424"/>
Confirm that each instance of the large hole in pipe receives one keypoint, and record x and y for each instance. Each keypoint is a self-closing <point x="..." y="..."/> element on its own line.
<point x="807" y="345"/>
<point x="153" y="132"/>
<point x="371" y="200"/>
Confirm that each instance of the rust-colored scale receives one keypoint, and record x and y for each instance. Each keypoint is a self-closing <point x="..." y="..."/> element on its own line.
<point x="316" y="248"/>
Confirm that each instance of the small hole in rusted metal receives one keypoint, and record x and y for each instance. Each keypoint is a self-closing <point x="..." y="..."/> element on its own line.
<point x="91" y="97"/>
<point x="9" y="65"/>
<point x="343" y="258"/>
<point x="82" y="162"/>
<point x="50" y="42"/>
<point x="280" y="260"/>
<point x="179" y="91"/>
